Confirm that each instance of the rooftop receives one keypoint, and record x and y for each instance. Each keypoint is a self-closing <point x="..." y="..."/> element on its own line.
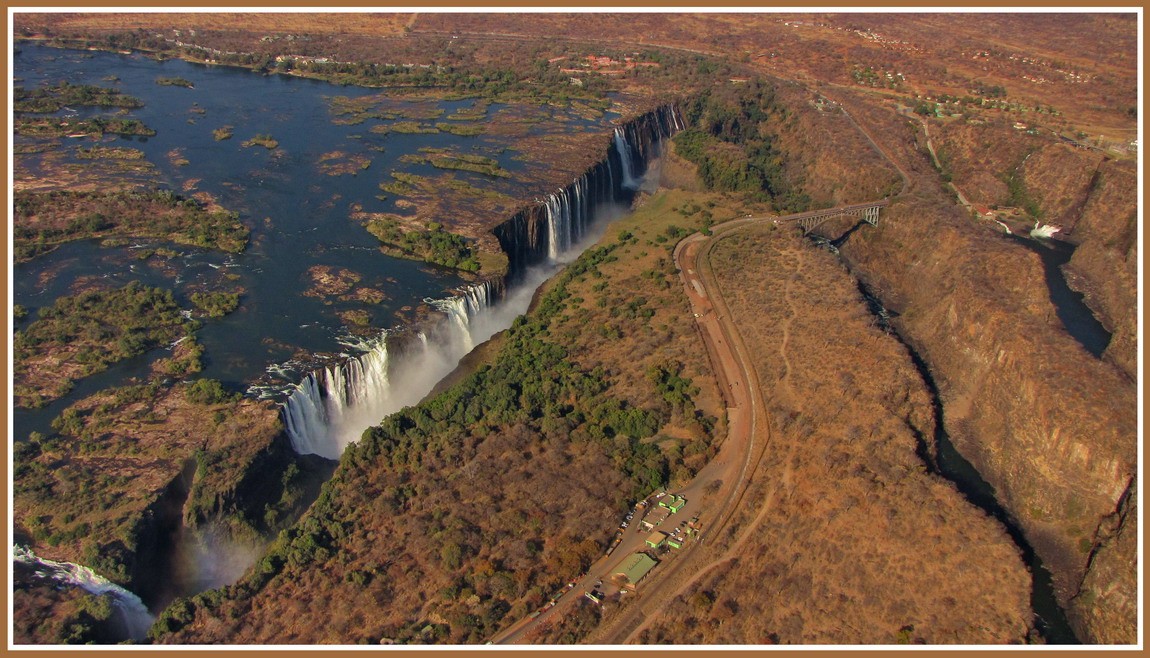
<point x="637" y="566"/>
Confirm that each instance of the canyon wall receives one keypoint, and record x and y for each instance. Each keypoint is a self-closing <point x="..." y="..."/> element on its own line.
<point x="1050" y="427"/>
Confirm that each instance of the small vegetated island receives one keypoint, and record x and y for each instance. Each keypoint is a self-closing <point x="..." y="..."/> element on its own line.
<point x="175" y="82"/>
<point x="82" y="335"/>
<point x="45" y="220"/>
<point x="800" y="392"/>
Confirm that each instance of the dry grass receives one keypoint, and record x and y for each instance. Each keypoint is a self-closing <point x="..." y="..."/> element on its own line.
<point x="850" y="540"/>
<point x="111" y="471"/>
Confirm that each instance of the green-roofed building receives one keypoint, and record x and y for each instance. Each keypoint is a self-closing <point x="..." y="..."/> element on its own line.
<point x="673" y="503"/>
<point x="636" y="566"/>
<point x="656" y="539"/>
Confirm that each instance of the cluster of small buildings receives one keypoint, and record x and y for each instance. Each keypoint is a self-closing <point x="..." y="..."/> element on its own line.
<point x="605" y="65"/>
<point x="639" y="564"/>
<point x="668" y="505"/>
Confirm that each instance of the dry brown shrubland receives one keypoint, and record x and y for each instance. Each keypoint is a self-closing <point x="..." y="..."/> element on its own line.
<point x="1017" y="390"/>
<point x="853" y="539"/>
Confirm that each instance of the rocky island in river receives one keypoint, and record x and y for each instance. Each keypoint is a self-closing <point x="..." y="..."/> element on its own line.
<point x="716" y="328"/>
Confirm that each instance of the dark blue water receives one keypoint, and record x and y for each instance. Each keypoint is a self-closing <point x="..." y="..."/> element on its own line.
<point x="299" y="216"/>
<point x="1069" y="305"/>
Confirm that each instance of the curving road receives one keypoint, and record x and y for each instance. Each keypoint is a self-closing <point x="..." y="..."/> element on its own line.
<point x="747" y="437"/>
<point x="715" y="494"/>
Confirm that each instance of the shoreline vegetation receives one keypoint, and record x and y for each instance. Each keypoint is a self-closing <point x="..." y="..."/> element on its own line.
<point x="549" y="85"/>
<point x="45" y="220"/>
<point x="400" y="80"/>
<point x="84" y="334"/>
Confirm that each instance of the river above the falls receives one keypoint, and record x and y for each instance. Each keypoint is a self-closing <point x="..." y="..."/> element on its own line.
<point x="297" y="206"/>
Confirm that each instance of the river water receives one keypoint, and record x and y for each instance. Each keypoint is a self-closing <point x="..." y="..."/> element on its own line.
<point x="1069" y="305"/>
<point x="298" y="215"/>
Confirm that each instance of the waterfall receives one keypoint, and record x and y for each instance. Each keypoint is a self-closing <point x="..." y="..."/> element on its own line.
<point x="131" y="610"/>
<point x="625" y="156"/>
<point x="569" y="214"/>
<point x="558" y="224"/>
<point x="332" y="406"/>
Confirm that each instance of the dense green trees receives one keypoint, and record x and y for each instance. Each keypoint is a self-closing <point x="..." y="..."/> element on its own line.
<point x="536" y="384"/>
<point x="433" y="245"/>
<point x="728" y="138"/>
<point x="53" y="98"/>
<point x="216" y="304"/>
<point x="210" y="391"/>
<point x="105" y="325"/>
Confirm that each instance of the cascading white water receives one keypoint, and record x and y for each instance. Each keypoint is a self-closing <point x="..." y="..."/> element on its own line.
<point x="332" y="406"/>
<point x="569" y="212"/>
<point x="1044" y="230"/>
<point x="558" y="224"/>
<point x="132" y="611"/>
<point x="625" y="156"/>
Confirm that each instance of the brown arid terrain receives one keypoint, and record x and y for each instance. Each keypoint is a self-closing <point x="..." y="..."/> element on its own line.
<point x="130" y="465"/>
<point x="846" y="536"/>
<point x="455" y="519"/>
<point x="1051" y="428"/>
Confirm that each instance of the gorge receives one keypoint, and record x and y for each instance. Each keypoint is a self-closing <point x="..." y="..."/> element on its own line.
<point x="320" y="316"/>
<point x="333" y="406"/>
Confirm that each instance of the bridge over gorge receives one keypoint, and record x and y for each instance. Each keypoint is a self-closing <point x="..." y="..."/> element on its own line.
<point x="812" y="218"/>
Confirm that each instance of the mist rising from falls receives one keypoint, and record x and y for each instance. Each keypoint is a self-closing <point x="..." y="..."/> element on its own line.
<point x="332" y="406"/>
<point x="130" y="610"/>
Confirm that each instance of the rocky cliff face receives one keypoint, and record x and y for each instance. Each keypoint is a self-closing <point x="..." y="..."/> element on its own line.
<point x="1105" y="264"/>
<point x="1092" y="197"/>
<point x="1050" y="427"/>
